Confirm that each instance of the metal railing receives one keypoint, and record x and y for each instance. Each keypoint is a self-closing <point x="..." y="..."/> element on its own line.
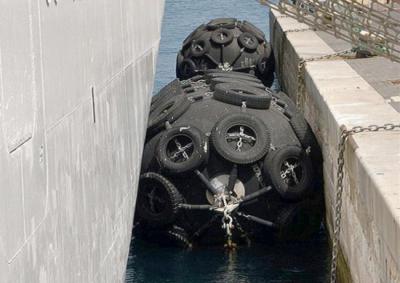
<point x="369" y="25"/>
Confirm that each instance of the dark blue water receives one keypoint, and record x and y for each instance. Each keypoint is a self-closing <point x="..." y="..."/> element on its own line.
<point x="305" y="262"/>
<point x="297" y="262"/>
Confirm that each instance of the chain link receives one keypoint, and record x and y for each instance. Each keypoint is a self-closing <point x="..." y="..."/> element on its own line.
<point x="339" y="185"/>
<point x="302" y="63"/>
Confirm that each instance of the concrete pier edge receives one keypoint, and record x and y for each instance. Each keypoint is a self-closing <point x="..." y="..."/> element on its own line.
<point x="336" y="95"/>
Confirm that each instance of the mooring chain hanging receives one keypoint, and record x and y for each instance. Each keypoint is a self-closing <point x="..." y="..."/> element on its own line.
<point x="301" y="67"/>
<point x="227" y="224"/>
<point x="339" y="185"/>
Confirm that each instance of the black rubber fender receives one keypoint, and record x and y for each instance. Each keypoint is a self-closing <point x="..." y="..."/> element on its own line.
<point x="158" y="200"/>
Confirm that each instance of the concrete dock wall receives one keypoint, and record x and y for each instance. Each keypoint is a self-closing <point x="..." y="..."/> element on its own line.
<point x="333" y="94"/>
<point x="75" y="85"/>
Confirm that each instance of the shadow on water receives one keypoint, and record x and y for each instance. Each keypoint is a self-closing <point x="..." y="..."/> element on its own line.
<point x="293" y="262"/>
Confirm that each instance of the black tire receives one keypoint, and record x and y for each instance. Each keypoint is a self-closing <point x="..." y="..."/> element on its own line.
<point x="197" y="78"/>
<point x="296" y="185"/>
<point x="168" y="111"/>
<point x="182" y="149"/>
<point x="219" y="80"/>
<point x="250" y="28"/>
<point x="158" y="200"/>
<point x="234" y="75"/>
<point x="299" y="221"/>
<point x="219" y="71"/>
<point x="228" y="23"/>
<point x="248" y="41"/>
<point x="187" y="69"/>
<point x="179" y="60"/>
<point x="149" y="161"/>
<point x="199" y="47"/>
<point x="174" y="236"/>
<point x="302" y="130"/>
<point x="189" y="90"/>
<point x="177" y="237"/>
<point x="222" y="36"/>
<point x="250" y="130"/>
<point x="172" y="89"/>
<point x="237" y="93"/>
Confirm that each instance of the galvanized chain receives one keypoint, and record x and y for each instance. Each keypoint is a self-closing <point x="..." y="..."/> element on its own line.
<point x="242" y="231"/>
<point x="339" y="185"/>
<point x="258" y="174"/>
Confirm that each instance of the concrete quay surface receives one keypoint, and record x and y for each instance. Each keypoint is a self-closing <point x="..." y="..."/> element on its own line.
<point x="347" y="92"/>
<point x="76" y="79"/>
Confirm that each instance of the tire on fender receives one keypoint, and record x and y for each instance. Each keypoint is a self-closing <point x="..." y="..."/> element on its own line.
<point x="182" y="149"/>
<point x="248" y="41"/>
<point x="222" y="36"/>
<point x="241" y="138"/>
<point x="169" y="111"/>
<point x="172" y="89"/>
<point x="250" y="28"/>
<point x="219" y="80"/>
<point x="228" y="23"/>
<point x="158" y="200"/>
<point x="237" y="93"/>
<point x="302" y="130"/>
<point x="290" y="171"/>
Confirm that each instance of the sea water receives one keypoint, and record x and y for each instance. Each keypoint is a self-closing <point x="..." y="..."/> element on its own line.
<point x="295" y="262"/>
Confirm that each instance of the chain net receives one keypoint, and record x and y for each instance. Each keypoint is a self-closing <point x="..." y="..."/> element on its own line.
<point x="370" y="25"/>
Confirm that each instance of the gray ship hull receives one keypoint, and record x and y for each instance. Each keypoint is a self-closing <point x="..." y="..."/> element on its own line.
<point x="75" y="84"/>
